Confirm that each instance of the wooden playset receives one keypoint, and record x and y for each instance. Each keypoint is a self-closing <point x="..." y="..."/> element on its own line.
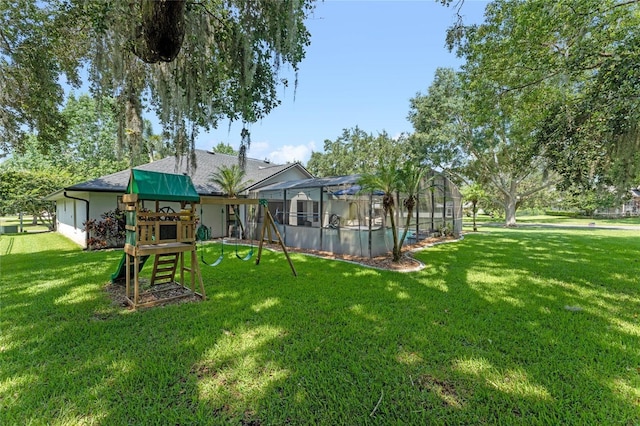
<point x="155" y="229"/>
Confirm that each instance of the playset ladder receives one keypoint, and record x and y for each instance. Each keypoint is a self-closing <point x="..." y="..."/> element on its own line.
<point x="164" y="268"/>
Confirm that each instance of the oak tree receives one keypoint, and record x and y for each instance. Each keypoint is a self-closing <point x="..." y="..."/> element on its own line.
<point x="193" y="63"/>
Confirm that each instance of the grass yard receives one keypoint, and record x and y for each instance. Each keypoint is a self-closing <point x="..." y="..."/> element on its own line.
<point x="556" y="220"/>
<point x="26" y="223"/>
<point x="508" y="326"/>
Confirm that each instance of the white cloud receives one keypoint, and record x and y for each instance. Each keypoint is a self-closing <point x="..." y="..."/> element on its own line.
<point x="291" y="153"/>
<point x="259" y="146"/>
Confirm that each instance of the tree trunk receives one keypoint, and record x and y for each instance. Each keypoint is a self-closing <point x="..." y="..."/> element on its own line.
<point x="474" y="211"/>
<point x="510" y="210"/>
<point x="394" y="231"/>
<point x="161" y="34"/>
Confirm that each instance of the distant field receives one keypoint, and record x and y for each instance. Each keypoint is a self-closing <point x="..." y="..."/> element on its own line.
<point x="26" y="223"/>
<point x="556" y="220"/>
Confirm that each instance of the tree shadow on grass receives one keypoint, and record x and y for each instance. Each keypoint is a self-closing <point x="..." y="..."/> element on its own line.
<point x="456" y="343"/>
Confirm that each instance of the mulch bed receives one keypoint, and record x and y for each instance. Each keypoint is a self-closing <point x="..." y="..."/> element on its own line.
<point x="406" y="263"/>
<point x="152" y="294"/>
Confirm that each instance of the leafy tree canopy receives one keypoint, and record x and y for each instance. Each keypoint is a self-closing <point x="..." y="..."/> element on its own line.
<point x="28" y="176"/>
<point x="23" y="191"/>
<point x="223" y="148"/>
<point x="230" y="179"/>
<point x="490" y="143"/>
<point x="356" y="152"/>
<point x="88" y="150"/>
<point x="192" y="63"/>
<point x="571" y="66"/>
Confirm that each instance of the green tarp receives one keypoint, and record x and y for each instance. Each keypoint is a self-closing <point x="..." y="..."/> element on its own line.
<point x="161" y="186"/>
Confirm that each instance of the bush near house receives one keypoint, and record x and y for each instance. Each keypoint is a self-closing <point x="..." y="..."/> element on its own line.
<point x="108" y="232"/>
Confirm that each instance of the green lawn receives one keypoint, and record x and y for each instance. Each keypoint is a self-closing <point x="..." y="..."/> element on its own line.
<point x="508" y="326"/>
<point x="555" y="220"/>
<point x="26" y="223"/>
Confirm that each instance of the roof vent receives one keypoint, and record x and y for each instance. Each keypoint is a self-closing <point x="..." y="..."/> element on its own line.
<point x="266" y="160"/>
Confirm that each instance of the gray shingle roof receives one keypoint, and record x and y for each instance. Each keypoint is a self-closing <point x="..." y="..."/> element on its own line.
<point x="257" y="171"/>
<point x="314" y="182"/>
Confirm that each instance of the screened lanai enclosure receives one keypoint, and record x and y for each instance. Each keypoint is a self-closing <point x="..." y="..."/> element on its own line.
<point x="335" y="215"/>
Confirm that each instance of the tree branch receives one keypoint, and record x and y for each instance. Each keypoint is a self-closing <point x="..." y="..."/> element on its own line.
<point x="529" y="84"/>
<point x="207" y="11"/>
<point x="617" y="5"/>
<point x="6" y="42"/>
<point x="539" y="188"/>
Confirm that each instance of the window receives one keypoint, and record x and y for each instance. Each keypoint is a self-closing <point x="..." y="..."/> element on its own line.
<point x="300" y="216"/>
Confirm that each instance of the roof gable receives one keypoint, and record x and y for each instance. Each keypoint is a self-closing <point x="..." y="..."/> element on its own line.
<point x="257" y="171"/>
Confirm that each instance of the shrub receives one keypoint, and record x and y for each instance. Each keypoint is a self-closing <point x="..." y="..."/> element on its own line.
<point x="561" y="213"/>
<point x="108" y="232"/>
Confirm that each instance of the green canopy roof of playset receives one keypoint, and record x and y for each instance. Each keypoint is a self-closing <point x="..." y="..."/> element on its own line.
<point x="161" y="186"/>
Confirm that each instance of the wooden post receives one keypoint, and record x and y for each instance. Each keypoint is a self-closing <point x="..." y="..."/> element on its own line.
<point x="127" y="288"/>
<point x="268" y="224"/>
<point x="136" y="282"/>
<point x="195" y="268"/>
<point x="182" y="270"/>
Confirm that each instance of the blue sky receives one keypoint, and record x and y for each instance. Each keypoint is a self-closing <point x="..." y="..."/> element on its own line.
<point x="366" y="60"/>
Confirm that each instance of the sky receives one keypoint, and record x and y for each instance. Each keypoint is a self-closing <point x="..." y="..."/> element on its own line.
<point x="366" y="60"/>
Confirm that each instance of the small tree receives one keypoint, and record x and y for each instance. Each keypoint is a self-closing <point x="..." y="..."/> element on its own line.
<point x="473" y="193"/>
<point x="410" y="178"/>
<point x="224" y="148"/>
<point x="24" y="191"/>
<point x="231" y="181"/>
<point x="108" y="232"/>
<point x="387" y="180"/>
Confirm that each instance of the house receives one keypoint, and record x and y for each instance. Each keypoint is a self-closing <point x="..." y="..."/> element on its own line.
<point x="333" y="214"/>
<point x="631" y="207"/>
<point x="89" y="200"/>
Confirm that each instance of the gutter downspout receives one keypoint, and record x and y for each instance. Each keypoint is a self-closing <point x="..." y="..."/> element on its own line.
<point x="86" y="234"/>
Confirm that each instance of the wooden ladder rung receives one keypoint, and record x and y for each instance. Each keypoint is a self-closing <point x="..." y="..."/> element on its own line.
<point x="162" y="278"/>
<point x="164" y="268"/>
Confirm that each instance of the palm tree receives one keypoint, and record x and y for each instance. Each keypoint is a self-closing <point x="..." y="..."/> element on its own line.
<point x="474" y="193"/>
<point x="410" y="178"/>
<point x="231" y="180"/>
<point x="387" y="180"/>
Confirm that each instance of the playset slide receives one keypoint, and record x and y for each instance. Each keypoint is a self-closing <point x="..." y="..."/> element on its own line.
<point x="121" y="273"/>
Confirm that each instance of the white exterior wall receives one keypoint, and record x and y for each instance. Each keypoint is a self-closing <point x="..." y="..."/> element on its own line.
<point x="214" y="217"/>
<point x="308" y="197"/>
<point x="100" y="203"/>
<point x="338" y="207"/>
<point x="70" y="215"/>
<point x="291" y="174"/>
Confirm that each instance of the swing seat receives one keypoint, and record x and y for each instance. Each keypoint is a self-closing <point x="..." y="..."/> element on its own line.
<point x="216" y="263"/>
<point x="247" y="257"/>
